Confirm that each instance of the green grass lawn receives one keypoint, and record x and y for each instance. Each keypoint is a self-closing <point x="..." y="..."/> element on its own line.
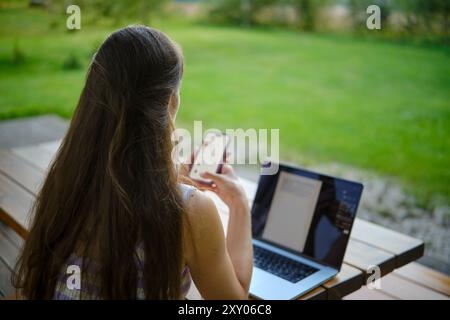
<point x="372" y="104"/>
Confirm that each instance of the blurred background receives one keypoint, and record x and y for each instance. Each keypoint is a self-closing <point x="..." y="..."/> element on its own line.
<point x="370" y="105"/>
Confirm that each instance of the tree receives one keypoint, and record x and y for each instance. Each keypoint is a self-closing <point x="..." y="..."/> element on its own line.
<point x="139" y="10"/>
<point x="243" y="12"/>
<point x="142" y="10"/>
<point x="37" y="3"/>
<point x="307" y="11"/>
<point x="431" y="10"/>
<point x="307" y="14"/>
<point x="422" y="13"/>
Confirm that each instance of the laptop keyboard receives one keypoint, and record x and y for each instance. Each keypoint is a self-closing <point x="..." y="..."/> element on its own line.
<point x="281" y="266"/>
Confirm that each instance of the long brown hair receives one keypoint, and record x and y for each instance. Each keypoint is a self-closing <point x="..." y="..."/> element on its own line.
<point x="113" y="185"/>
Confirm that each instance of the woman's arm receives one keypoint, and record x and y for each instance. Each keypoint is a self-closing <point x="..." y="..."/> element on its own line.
<point x="221" y="269"/>
<point x="239" y="238"/>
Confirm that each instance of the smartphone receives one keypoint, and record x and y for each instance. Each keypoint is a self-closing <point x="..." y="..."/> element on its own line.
<point x="210" y="156"/>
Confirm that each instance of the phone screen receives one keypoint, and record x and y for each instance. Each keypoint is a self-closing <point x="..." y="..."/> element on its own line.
<point x="210" y="156"/>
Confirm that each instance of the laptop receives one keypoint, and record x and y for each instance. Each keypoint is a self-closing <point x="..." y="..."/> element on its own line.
<point x="301" y="224"/>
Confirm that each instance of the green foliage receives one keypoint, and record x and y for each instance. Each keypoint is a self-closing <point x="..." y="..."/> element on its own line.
<point x="140" y="10"/>
<point x="307" y="11"/>
<point x="18" y="56"/>
<point x="421" y="14"/>
<point x="71" y="63"/>
<point x="242" y="12"/>
<point x="116" y="12"/>
<point x="245" y="12"/>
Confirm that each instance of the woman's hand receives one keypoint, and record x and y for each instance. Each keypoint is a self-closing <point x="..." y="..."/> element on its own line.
<point x="186" y="167"/>
<point x="227" y="186"/>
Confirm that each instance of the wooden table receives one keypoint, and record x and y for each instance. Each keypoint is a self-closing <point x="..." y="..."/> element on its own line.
<point x="23" y="169"/>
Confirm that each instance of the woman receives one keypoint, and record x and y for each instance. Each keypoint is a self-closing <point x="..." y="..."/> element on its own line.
<point x="112" y="203"/>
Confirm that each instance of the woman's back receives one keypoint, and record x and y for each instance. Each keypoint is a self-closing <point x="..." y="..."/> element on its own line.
<point x="74" y="290"/>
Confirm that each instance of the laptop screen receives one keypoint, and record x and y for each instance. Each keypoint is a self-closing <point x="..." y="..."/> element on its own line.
<point x="306" y="212"/>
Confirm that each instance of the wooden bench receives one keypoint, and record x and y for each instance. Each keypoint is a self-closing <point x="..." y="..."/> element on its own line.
<point x="22" y="170"/>
<point x="413" y="281"/>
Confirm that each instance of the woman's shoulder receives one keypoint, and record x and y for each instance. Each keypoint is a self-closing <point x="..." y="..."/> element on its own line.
<point x="187" y="191"/>
<point x="196" y="201"/>
<point x="201" y="213"/>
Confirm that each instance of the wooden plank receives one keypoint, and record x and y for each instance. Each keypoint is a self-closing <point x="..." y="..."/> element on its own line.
<point x="29" y="131"/>
<point x="51" y="146"/>
<point x="348" y="280"/>
<point x="20" y="171"/>
<point x="405" y="248"/>
<point x="37" y="156"/>
<point x="401" y="288"/>
<point x="319" y="293"/>
<point x="15" y="239"/>
<point x="6" y="288"/>
<point x="364" y="257"/>
<point x="9" y="252"/>
<point x="426" y="277"/>
<point x="368" y="294"/>
<point x="15" y="205"/>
